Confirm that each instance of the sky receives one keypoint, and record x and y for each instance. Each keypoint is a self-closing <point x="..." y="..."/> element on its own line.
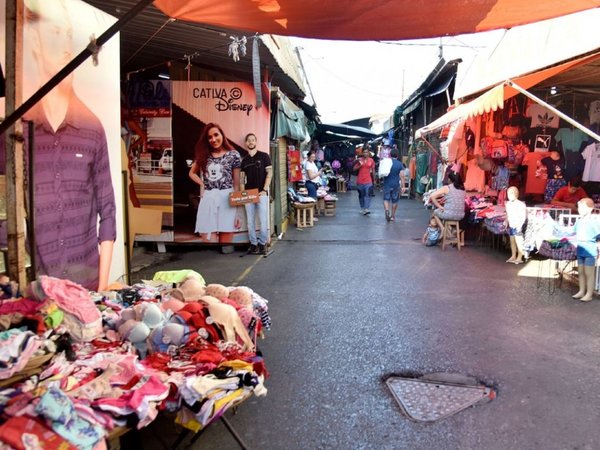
<point x="355" y="79"/>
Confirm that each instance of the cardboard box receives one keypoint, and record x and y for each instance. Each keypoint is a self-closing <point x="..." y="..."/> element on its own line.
<point x="238" y="198"/>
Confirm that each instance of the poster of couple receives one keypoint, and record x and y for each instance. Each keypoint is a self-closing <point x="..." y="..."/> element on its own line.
<point x="210" y="123"/>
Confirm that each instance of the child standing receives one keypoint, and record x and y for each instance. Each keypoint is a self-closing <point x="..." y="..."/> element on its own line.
<point x="587" y="233"/>
<point x="432" y="234"/>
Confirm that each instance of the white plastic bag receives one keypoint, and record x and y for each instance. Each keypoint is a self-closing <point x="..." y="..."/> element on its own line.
<point x="385" y="166"/>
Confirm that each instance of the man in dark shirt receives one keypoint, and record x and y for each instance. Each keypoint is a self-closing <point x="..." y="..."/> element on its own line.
<point x="75" y="224"/>
<point x="258" y="171"/>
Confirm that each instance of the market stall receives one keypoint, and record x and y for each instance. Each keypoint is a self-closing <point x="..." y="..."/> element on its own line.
<point x="81" y="367"/>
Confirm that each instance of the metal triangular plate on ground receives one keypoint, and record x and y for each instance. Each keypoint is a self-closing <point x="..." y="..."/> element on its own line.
<point x="425" y="400"/>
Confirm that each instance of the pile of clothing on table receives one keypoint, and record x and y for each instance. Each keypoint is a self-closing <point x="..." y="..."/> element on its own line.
<point x="76" y="364"/>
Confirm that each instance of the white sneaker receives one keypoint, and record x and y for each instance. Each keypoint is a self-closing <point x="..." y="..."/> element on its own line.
<point x="367" y="212"/>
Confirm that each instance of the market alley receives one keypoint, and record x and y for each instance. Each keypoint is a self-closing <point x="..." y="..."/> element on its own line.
<point x="355" y="298"/>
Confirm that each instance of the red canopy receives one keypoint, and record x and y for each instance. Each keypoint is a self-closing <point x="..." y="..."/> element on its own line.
<point x="369" y="19"/>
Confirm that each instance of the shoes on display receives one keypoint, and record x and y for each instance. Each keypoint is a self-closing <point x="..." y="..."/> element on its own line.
<point x="253" y="250"/>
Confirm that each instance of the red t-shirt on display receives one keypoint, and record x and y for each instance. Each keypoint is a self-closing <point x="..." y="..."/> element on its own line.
<point x="536" y="175"/>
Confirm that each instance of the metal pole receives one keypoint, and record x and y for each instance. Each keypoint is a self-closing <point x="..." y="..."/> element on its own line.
<point x="30" y="192"/>
<point x="306" y="77"/>
<point x="76" y="62"/>
<point x="559" y="113"/>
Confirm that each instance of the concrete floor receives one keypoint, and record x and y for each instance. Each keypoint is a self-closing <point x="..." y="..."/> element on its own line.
<point x="356" y="298"/>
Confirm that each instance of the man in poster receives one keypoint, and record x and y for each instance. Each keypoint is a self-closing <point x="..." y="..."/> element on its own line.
<point x="72" y="183"/>
<point x="258" y="172"/>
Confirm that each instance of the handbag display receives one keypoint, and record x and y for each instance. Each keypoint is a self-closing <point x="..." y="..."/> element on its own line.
<point x="499" y="149"/>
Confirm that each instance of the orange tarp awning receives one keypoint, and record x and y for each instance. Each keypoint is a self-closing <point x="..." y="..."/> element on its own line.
<point x="369" y="19"/>
<point x="494" y="98"/>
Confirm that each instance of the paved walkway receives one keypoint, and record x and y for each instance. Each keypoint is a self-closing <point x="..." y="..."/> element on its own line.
<point x="356" y="298"/>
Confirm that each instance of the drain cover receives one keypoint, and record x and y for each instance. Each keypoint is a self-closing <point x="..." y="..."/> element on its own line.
<point x="426" y="400"/>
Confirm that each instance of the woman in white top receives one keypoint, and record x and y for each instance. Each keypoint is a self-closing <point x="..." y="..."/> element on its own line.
<point x="516" y="215"/>
<point x="313" y="175"/>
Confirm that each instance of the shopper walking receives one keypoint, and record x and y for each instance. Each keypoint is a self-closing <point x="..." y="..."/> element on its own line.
<point x="258" y="171"/>
<point x="393" y="183"/>
<point x="364" y="181"/>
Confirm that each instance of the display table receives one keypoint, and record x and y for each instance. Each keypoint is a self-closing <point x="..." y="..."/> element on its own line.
<point x="560" y="260"/>
<point x="177" y="348"/>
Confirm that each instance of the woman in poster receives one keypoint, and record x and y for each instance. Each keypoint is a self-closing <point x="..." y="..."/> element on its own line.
<point x="216" y="169"/>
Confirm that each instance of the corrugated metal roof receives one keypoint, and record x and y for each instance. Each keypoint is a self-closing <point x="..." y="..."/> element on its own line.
<point x="151" y="39"/>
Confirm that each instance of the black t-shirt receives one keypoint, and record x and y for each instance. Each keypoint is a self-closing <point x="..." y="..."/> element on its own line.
<point x="556" y="168"/>
<point x="254" y="168"/>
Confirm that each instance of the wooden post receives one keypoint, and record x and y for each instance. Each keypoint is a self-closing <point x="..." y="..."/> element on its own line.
<point x="13" y="141"/>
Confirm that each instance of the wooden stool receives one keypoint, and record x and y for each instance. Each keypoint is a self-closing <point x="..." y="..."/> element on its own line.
<point x="452" y="234"/>
<point x="304" y="214"/>
<point x="320" y="207"/>
<point x="340" y="185"/>
<point x="329" y="208"/>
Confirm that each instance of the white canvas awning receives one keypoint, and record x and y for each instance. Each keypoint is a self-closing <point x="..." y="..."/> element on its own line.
<point x="528" y="48"/>
<point x="494" y="98"/>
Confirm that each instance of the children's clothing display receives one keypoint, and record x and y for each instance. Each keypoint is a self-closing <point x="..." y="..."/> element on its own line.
<point x="163" y="346"/>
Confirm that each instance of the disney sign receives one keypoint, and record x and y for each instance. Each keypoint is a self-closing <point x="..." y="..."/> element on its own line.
<point x="225" y="101"/>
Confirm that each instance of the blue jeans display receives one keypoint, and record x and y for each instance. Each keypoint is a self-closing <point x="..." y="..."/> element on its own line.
<point x="363" y="195"/>
<point x="260" y="209"/>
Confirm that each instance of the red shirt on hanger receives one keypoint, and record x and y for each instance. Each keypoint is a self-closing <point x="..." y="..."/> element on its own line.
<point x="536" y="178"/>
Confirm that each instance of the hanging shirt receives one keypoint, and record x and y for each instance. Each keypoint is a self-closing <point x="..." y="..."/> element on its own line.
<point x="554" y="168"/>
<point x="475" y="180"/>
<point x="542" y="117"/>
<point x="422" y="164"/>
<point x="595" y="112"/>
<point x="570" y="139"/>
<point x="591" y="154"/>
<point x="536" y="178"/>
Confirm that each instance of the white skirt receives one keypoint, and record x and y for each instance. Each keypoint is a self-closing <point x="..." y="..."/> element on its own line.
<point x="215" y="214"/>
